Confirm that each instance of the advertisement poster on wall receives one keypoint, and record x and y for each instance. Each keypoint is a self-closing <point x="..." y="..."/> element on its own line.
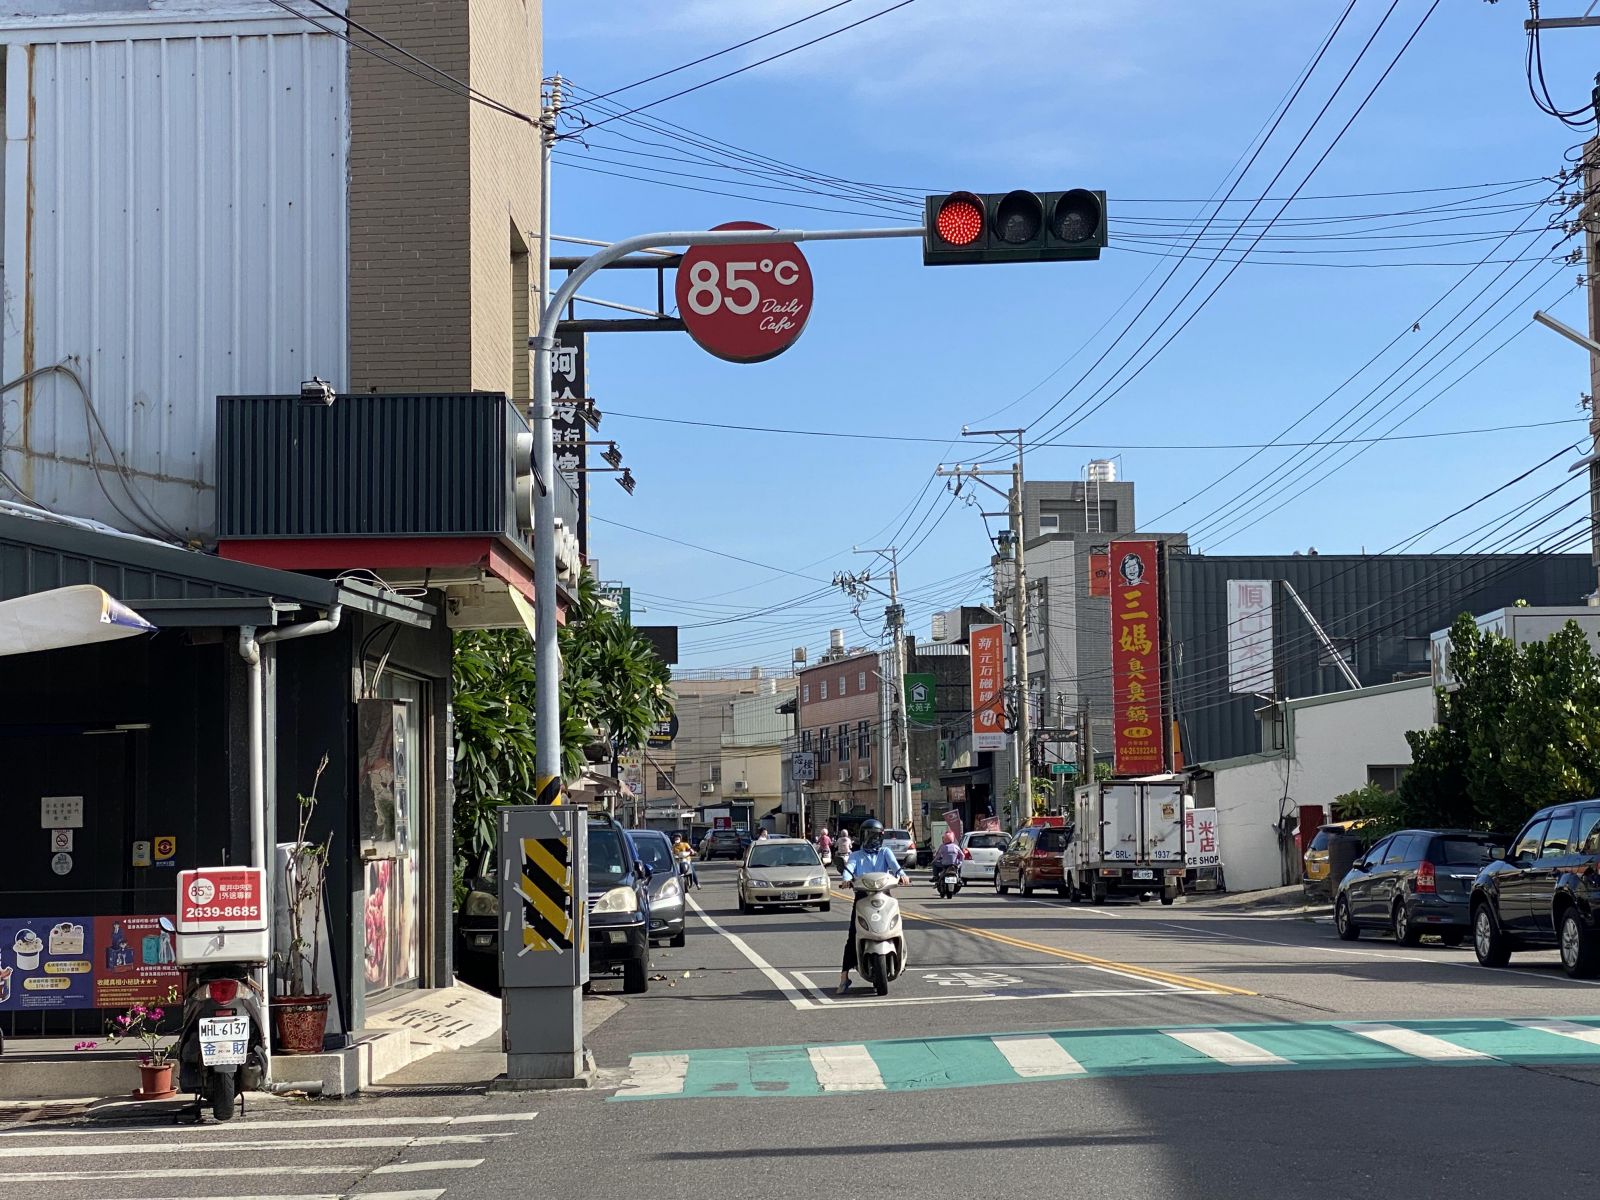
<point x="1139" y="738"/>
<point x="84" y="962"/>
<point x="390" y="956"/>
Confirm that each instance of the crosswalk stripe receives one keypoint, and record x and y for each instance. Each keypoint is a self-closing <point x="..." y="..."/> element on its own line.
<point x="354" y="1143"/>
<point x="1226" y="1047"/>
<point x="1035" y="1057"/>
<point x="437" y="1164"/>
<point x="420" y="1194"/>
<point x="1566" y="1029"/>
<point x="267" y="1126"/>
<point x="845" y="1069"/>
<point x="130" y="1176"/>
<point x="657" y="1074"/>
<point x="1417" y="1044"/>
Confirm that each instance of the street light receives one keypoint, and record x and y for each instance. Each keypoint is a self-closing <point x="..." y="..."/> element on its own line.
<point x="612" y="455"/>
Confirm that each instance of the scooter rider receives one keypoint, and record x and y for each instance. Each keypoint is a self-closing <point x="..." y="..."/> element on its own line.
<point x="872" y="856"/>
<point x="948" y="856"/>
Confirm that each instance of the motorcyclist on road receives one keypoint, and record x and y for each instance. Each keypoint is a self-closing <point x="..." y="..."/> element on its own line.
<point x="871" y="857"/>
<point x="948" y="856"/>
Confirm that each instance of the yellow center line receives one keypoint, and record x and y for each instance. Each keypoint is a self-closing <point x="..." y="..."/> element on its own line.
<point x="1186" y="981"/>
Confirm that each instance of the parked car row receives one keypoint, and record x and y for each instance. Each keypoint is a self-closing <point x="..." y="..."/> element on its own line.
<point x="1537" y="890"/>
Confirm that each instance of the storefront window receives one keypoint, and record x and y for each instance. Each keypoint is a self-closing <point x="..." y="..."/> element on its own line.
<point x="393" y="913"/>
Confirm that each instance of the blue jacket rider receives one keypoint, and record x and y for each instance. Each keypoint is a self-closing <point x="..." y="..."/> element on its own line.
<point x="873" y="856"/>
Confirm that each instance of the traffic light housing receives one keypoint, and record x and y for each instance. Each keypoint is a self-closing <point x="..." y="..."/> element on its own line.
<point x="1015" y="226"/>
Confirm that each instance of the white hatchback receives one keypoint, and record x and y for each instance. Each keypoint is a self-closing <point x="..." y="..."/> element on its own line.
<point x="983" y="853"/>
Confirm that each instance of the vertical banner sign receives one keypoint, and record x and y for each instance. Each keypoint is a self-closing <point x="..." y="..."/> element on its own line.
<point x="1136" y="659"/>
<point x="569" y="382"/>
<point x="1200" y="838"/>
<point x="1099" y="573"/>
<point x="1250" y="635"/>
<point x="987" y="647"/>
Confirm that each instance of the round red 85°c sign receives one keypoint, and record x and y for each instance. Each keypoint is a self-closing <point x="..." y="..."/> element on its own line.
<point x="744" y="303"/>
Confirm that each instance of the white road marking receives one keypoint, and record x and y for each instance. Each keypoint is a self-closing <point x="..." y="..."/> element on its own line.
<point x="7" y="1135"/>
<point x="1418" y="1045"/>
<point x="1225" y="1047"/>
<point x="776" y="977"/>
<point x="423" y="1194"/>
<point x="212" y="1172"/>
<point x="862" y="997"/>
<point x="100" y="1149"/>
<point x="1567" y="1029"/>
<point x="656" y="1074"/>
<point x="1034" y="1057"/>
<point x="845" y="1069"/>
<point x="437" y="1164"/>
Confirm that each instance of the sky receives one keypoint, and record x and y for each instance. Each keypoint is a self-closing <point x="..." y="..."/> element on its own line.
<point x="1355" y="314"/>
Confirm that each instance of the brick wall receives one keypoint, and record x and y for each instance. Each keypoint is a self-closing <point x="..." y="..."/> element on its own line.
<point x="441" y="193"/>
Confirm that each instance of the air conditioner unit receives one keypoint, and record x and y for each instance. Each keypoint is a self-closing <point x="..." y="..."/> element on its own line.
<point x="844" y="774"/>
<point x="864" y="773"/>
<point x="708" y="789"/>
<point x="739" y="785"/>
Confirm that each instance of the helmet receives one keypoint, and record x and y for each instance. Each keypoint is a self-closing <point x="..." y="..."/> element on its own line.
<point x="949" y="837"/>
<point x="871" y="834"/>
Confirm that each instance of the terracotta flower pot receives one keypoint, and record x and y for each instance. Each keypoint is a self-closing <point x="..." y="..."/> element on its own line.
<point x="155" y="1082"/>
<point x="299" y="1023"/>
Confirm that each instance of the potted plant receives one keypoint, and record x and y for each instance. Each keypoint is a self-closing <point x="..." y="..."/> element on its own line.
<point x="300" y="1011"/>
<point x="142" y="1023"/>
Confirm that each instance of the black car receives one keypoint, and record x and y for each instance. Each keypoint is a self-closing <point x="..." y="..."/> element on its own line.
<point x="666" y="885"/>
<point x="1415" y="882"/>
<point x="1544" y="893"/>
<point x="619" y="906"/>
<point x="725" y="843"/>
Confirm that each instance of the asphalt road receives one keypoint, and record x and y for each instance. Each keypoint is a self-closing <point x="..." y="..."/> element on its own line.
<point x="1033" y="1048"/>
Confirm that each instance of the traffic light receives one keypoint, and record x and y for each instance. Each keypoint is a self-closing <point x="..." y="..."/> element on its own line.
<point x="1018" y="226"/>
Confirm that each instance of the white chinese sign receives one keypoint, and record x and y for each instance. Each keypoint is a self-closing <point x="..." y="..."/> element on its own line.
<point x="1250" y="635"/>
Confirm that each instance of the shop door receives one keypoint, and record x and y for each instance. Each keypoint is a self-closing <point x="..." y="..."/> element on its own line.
<point x="393" y="915"/>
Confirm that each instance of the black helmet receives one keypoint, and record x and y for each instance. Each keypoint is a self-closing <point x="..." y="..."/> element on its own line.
<point x="871" y="834"/>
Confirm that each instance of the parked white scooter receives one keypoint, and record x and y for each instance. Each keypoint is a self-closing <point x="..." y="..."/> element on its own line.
<point x="880" y="937"/>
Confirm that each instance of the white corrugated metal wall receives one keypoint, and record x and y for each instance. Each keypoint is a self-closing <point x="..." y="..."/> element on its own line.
<point x="178" y="196"/>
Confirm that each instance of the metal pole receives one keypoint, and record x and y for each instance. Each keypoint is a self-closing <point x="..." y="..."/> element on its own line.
<point x="547" y="665"/>
<point x="901" y="792"/>
<point x="1019" y="610"/>
<point x="1591" y="243"/>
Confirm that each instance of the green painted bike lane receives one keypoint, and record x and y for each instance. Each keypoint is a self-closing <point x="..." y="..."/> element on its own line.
<point x="914" y="1064"/>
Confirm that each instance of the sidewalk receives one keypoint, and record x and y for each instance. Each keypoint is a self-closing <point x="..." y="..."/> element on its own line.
<point x="1270" y="902"/>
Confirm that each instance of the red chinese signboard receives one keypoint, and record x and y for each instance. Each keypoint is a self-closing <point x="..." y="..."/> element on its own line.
<point x="214" y="897"/>
<point x="1099" y="573"/>
<point x="744" y="303"/>
<point x="1139" y="739"/>
<point x="986" y="644"/>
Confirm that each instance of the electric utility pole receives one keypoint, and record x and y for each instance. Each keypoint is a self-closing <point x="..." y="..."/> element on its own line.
<point x="895" y="727"/>
<point x="1019" y="610"/>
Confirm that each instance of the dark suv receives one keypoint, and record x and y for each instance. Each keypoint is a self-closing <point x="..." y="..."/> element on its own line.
<point x="1033" y="858"/>
<point x="1544" y="893"/>
<point x="619" y="906"/>
<point x="1415" y="882"/>
<point x="725" y="843"/>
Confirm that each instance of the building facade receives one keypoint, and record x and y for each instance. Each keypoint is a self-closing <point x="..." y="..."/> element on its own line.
<point x="839" y="720"/>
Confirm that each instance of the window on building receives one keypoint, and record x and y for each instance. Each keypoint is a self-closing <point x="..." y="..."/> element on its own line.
<point x="841" y="685"/>
<point x="1388" y="778"/>
<point x="716" y="772"/>
<point x="861" y="681"/>
<point x="1346" y="648"/>
<point x="824" y="746"/>
<point x="823" y="685"/>
<point x="863" y="739"/>
<point x="805" y="741"/>
<point x="805" y="693"/>
<point x="844" y="743"/>
<point x="663" y="781"/>
<point x="1049" y="522"/>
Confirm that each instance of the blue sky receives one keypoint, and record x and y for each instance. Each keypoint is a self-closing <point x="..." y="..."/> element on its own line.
<point x="1157" y="102"/>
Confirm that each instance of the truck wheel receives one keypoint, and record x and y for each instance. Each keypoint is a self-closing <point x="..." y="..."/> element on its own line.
<point x="1097" y="894"/>
<point x="1167" y="898"/>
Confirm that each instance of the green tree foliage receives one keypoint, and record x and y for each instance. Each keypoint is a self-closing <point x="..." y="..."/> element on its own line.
<point x="613" y="689"/>
<point x="1522" y="731"/>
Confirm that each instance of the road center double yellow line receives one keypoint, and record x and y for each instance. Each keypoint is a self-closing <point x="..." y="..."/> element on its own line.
<point x="1088" y="960"/>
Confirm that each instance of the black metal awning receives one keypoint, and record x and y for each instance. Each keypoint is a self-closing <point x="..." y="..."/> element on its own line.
<point x="173" y="587"/>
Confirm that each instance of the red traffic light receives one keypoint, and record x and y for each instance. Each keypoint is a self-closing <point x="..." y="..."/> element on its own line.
<point x="960" y="219"/>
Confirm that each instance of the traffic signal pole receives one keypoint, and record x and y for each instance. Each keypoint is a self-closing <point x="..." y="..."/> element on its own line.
<point x="547" y="661"/>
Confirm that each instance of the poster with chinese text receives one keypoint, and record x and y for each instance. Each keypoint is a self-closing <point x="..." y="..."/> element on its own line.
<point x="1139" y="739"/>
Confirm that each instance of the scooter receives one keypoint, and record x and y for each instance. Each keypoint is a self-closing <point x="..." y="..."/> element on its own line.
<point x="880" y="938"/>
<point x="947" y="879"/>
<point x="222" y="1042"/>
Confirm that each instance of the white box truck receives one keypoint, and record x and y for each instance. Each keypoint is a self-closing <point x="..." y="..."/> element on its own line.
<point x="1127" y="839"/>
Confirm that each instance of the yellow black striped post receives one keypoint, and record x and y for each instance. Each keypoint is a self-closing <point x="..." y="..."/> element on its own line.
<point x="549" y="914"/>
<point x="548" y="790"/>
